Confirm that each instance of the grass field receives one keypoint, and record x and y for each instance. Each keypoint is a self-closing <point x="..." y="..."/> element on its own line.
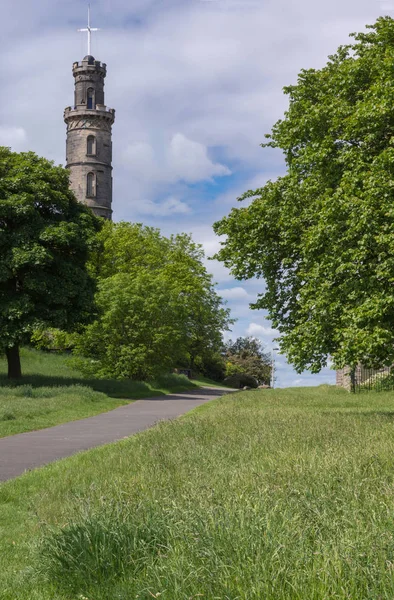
<point x="51" y="392"/>
<point x="201" y="381"/>
<point x="263" y="495"/>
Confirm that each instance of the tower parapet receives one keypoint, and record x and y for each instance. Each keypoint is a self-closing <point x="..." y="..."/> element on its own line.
<point x="89" y="138"/>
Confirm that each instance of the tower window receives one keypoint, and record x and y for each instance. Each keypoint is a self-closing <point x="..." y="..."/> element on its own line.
<point x="91" y="102"/>
<point x="91" y="145"/>
<point x="91" y="185"/>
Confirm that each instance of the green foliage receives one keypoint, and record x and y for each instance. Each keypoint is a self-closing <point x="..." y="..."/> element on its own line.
<point x="138" y="333"/>
<point x="157" y="305"/>
<point x="52" y="339"/>
<point x="211" y="365"/>
<point x="45" y="239"/>
<point x="322" y="236"/>
<point x="246" y="356"/>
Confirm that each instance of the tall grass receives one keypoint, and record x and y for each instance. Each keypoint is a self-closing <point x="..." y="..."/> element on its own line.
<point x="103" y="547"/>
<point x="274" y="495"/>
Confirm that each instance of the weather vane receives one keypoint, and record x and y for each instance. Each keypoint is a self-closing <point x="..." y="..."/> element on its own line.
<point x="89" y="29"/>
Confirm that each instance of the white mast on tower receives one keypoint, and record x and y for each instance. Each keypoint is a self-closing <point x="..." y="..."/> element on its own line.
<point x="89" y="30"/>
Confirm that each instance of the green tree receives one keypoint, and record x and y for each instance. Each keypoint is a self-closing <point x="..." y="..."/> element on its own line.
<point x="246" y="355"/>
<point x="45" y="237"/>
<point x="157" y="304"/>
<point x="322" y="236"/>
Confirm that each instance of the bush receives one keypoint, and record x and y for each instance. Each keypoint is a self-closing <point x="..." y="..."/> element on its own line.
<point x="240" y="380"/>
<point x="246" y="355"/>
<point x="101" y="547"/>
<point x="213" y="367"/>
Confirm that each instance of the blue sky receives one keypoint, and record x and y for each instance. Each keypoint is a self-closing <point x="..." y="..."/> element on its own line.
<point x="196" y="84"/>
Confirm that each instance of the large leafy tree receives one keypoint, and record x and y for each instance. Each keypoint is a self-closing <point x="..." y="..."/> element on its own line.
<point x="322" y="236"/>
<point x="45" y="238"/>
<point x="157" y="304"/>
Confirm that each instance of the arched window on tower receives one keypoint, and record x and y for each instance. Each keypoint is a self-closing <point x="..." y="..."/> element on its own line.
<point x="91" y="101"/>
<point x="91" y="145"/>
<point x="91" y="185"/>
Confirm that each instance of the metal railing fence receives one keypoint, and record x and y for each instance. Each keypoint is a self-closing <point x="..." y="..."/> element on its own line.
<point x="363" y="379"/>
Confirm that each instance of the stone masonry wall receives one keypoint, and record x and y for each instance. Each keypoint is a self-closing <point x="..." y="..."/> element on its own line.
<point x="343" y="379"/>
<point x="80" y="164"/>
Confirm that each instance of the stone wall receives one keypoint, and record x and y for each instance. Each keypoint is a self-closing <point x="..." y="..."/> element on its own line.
<point x="103" y="192"/>
<point x="343" y="379"/>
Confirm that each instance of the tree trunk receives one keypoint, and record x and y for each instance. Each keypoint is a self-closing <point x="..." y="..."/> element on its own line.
<point x="14" y="362"/>
<point x="353" y="380"/>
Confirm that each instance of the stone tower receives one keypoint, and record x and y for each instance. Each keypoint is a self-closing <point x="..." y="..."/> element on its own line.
<point x="89" y="138"/>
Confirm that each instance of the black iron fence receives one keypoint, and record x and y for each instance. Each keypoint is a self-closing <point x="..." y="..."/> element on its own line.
<point x="366" y="380"/>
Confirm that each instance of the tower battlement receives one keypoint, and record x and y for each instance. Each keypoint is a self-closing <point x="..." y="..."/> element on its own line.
<point x="89" y="63"/>
<point x="71" y="111"/>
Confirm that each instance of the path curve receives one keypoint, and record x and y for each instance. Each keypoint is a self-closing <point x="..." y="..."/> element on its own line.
<point x="25" y="451"/>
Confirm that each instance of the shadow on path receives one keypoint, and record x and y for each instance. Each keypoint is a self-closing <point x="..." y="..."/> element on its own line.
<point x="114" y="388"/>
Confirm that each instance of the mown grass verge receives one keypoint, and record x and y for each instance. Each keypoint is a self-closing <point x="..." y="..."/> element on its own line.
<point x="273" y="494"/>
<point x="51" y="392"/>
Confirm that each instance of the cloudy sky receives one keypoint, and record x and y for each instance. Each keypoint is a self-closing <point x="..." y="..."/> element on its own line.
<point x="196" y="84"/>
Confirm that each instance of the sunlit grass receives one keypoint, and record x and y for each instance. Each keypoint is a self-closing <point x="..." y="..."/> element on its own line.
<point x="272" y="494"/>
<point x="206" y="381"/>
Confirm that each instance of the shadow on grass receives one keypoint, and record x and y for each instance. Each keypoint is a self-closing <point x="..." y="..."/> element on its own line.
<point x="349" y="412"/>
<point x="113" y="388"/>
<point x="389" y="414"/>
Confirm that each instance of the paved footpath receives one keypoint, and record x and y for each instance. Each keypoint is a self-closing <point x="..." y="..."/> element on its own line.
<point x="24" y="451"/>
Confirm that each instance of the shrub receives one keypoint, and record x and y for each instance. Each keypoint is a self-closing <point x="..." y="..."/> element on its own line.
<point x="240" y="380"/>
<point x="101" y="547"/>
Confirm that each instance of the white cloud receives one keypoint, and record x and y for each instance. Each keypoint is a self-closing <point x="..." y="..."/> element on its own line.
<point x="140" y="159"/>
<point x="235" y="293"/>
<point x="14" y="138"/>
<point x="386" y="6"/>
<point x="211" y="245"/>
<point x="220" y="273"/>
<point x="188" y="160"/>
<point x="230" y="197"/>
<point x="261" y="331"/>
<point x="182" y="159"/>
<point x="169" y="207"/>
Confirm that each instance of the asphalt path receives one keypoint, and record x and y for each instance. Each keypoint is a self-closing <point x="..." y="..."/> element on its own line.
<point x="26" y="451"/>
